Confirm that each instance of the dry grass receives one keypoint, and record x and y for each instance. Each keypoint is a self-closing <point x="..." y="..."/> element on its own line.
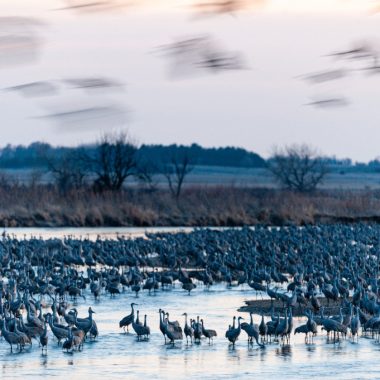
<point x="198" y="206"/>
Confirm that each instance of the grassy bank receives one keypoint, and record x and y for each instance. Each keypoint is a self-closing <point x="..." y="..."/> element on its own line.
<point x="43" y="206"/>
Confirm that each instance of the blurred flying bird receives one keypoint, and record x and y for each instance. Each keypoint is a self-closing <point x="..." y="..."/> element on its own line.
<point x="92" y="83"/>
<point x="329" y="102"/>
<point x="215" y="62"/>
<point x="373" y="67"/>
<point x="367" y="51"/>
<point x="325" y="76"/>
<point x="225" y="6"/>
<point x="84" y="5"/>
<point x="39" y="88"/>
<point x="94" y="6"/>
<point x="201" y="53"/>
<point x="93" y="117"/>
<point x="359" y="51"/>
<point x="228" y="6"/>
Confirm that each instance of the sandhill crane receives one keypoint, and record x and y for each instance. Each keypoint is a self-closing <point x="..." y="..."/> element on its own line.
<point x="197" y="328"/>
<point x="303" y="329"/>
<point x="252" y="331"/>
<point x="24" y="338"/>
<point x="44" y="338"/>
<point x="162" y="323"/>
<point x="355" y="325"/>
<point x="189" y="286"/>
<point x="188" y="330"/>
<point x="172" y="330"/>
<point x="332" y="325"/>
<point x="58" y="332"/>
<point x="141" y="330"/>
<point x="282" y="328"/>
<point x="263" y="329"/>
<point x="272" y="326"/>
<point x="232" y="334"/>
<point x="11" y="338"/>
<point x="126" y="321"/>
<point x="210" y="334"/>
<point x="146" y="328"/>
<point x="311" y="325"/>
<point x="85" y="324"/>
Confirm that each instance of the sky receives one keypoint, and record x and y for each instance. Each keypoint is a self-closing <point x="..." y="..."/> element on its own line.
<point x="266" y="103"/>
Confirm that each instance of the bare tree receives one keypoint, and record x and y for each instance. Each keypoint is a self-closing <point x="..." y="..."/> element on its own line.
<point x="68" y="171"/>
<point x="298" y="167"/>
<point x="113" y="161"/>
<point x="146" y="174"/>
<point x="176" y="170"/>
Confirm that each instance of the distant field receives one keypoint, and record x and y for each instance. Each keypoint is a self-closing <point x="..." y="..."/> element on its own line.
<point x="263" y="178"/>
<point x="241" y="177"/>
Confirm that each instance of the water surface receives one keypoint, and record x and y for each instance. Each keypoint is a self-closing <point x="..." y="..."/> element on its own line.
<point x="117" y="355"/>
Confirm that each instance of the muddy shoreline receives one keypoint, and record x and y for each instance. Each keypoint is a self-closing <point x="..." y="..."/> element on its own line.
<point x="264" y="306"/>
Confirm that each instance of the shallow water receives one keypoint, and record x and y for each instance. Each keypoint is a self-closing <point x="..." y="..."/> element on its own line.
<point x="117" y="355"/>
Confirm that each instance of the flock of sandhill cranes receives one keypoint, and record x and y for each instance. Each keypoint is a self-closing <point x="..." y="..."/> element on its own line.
<point x="276" y="328"/>
<point x="73" y="334"/>
<point x="340" y="263"/>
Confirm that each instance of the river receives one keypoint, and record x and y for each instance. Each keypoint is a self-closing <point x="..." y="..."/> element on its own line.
<point x="118" y="356"/>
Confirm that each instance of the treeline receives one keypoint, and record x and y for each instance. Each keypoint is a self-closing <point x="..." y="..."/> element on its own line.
<point x="34" y="155"/>
<point x="115" y="182"/>
<point x="228" y="156"/>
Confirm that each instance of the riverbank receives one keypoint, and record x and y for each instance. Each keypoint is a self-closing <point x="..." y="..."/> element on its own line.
<point x="198" y="206"/>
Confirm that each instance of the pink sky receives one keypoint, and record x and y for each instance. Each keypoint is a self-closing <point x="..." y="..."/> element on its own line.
<point x="255" y="108"/>
<point x="175" y="5"/>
